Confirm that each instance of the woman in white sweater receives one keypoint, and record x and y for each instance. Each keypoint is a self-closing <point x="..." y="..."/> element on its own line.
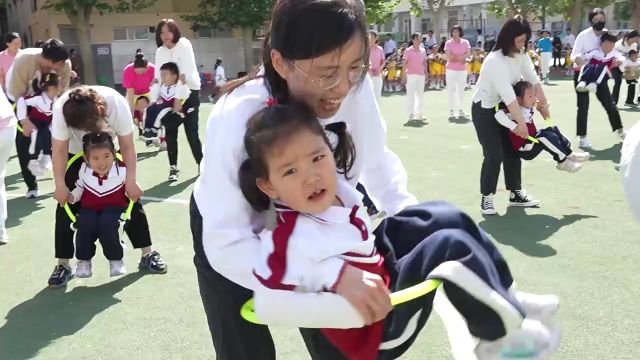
<point x="8" y="124"/>
<point x="507" y="64"/>
<point x="173" y="47"/>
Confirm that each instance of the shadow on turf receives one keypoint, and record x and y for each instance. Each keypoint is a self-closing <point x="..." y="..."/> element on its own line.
<point x="166" y="189"/>
<point x="459" y="120"/>
<point x="52" y="314"/>
<point x="21" y="207"/>
<point x="146" y="155"/>
<point x="525" y="232"/>
<point x="416" y="123"/>
<point x="610" y="154"/>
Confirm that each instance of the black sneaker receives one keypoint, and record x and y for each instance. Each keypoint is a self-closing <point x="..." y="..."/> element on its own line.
<point x="486" y="205"/>
<point x="520" y="198"/>
<point x="150" y="134"/>
<point x="173" y="173"/>
<point x="153" y="262"/>
<point x="60" y="276"/>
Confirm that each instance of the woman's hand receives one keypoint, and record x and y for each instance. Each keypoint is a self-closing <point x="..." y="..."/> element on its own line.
<point x="544" y="111"/>
<point x="27" y="127"/>
<point x="70" y="199"/>
<point x="134" y="191"/>
<point x="366" y="292"/>
<point x="61" y="194"/>
<point x="521" y="130"/>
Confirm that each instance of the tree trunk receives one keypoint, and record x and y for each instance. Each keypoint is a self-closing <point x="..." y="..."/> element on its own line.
<point x="83" y="30"/>
<point x="437" y="16"/>
<point x="576" y="16"/>
<point x="247" y="42"/>
<point x="635" y="15"/>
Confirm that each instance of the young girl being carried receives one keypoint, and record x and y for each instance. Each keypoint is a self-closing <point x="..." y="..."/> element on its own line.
<point x="322" y="231"/>
<point x="166" y="98"/>
<point x="101" y="192"/>
<point x="38" y="109"/>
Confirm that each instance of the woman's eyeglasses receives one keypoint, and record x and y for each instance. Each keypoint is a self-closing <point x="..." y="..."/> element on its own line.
<point x="330" y="81"/>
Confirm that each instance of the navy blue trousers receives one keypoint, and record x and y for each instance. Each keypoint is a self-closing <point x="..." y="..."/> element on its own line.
<point x="103" y="226"/>
<point x="552" y="141"/>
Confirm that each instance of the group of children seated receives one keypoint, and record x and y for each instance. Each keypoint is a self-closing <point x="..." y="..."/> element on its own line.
<point x="393" y="71"/>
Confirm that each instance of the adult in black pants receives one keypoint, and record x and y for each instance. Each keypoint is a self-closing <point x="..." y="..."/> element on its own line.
<point x="623" y="46"/>
<point x="29" y="64"/>
<point x="79" y="111"/>
<point x="589" y="40"/>
<point x="502" y="68"/>
<point x="173" y="47"/>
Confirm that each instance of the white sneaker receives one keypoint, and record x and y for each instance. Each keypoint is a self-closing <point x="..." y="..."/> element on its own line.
<point x="83" y="269"/>
<point x="32" y="194"/>
<point x="579" y="156"/>
<point x="432" y="86"/>
<point x="4" y="238"/>
<point x="45" y="163"/>
<point x="621" y="133"/>
<point x="463" y="114"/>
<point x="593" y="88"/>
<point x="584" y="142"/>
<point x="546" y="81"/>
<point x="117" y="268"/>
<point x="581" y="87"/>
<point x="451" y="115"/>
<point x="538" y="307"/>
<point x="569" y="166"/>
<point x="486" y="205"/>
<point x="35" y="168"/>
<point x="532" y="341"/>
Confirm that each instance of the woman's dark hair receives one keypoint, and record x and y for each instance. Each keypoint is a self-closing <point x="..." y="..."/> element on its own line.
<point x="173" y="28"/>
<point x="595" y="12"/>
<point x="97" y="140"/>
<point x="632" y="52"/>
<point x="171" y="67"/>
<point x="54" y="51"/>
<point x="521" y="86"/>
<point x="46" y="80"/>
<point x="459" y="28"/>
<point x="218" y="63"/>
<point x="631" y="34"/>
<point x="11" y="36"/>
<point x="510" y="31"/>
<point x="304" y="30"/>
<point x="441" y="47"/>
<point x="415" y="35"/>
<point x="607" y="36"/>
<point x="269" y="128"/>
<point x="140" y="98"/>
<point x="85" y="110"/>
<point x="140" y="61"/>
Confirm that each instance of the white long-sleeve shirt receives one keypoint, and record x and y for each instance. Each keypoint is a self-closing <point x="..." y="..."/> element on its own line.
<point x="229" y="223"/>
<point x="167" y="93"/>
<point x="181" y="54"/>
<point x="498" y="75"/>
<point x="622" y="48"/>
<point x="630" y="168"/>
<point x="630" y="69"/>
<point x="586" y="41"/>
<point x="504" y="119"/>
<point x="311" y="251"/>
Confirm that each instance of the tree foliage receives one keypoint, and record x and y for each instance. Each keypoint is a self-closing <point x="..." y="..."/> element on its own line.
<point x="229" y="14"/>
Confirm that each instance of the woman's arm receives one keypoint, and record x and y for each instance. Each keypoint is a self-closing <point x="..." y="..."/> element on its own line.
<point x="187" y="63"/>
<point x="130" y="97"/>
<point x="59" y="156"/>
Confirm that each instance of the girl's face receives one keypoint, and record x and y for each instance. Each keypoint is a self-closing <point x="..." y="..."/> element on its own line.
<point x="520" y="43"/>
<point x="100" y="160"/>
<point x="323" y="82"/>
<point x="53" y="91"/>
<point x="302" y="173"/>
<point x="168" y="77"/>
<point x="167" y="36"/>
<point x="528" y="100"/>
<point x="15" y="44"/>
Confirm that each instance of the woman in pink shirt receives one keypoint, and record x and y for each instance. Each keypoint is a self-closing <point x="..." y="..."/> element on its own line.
<point x="457" y="50"/>
<point x="137" y="78"/>
<point x="415" y="63"/>
<point x="376" y="63"/>
<point x="14" y="43"/>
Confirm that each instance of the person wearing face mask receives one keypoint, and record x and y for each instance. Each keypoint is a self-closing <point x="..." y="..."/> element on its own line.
<point x="589" y="40"/>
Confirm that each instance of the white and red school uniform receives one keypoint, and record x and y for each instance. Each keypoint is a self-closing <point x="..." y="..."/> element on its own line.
<point x="39" y="109"/>
<point x="597" y="69"/>
<point x="162" y="99"/>
<point x="99" y="192"/>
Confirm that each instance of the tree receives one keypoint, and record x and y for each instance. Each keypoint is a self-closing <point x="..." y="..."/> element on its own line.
<point x="380" y="11"/>
<point x="629" y="12"/>
<point x="79" y="13"/>
<point x="437" y="8"/>
<point x="573" y="10"/>
<point x="247" y="15"/>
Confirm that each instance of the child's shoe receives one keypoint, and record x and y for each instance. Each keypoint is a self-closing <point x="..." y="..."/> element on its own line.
<point x="621" y="134"/>
<point x="532" y="341"/>
<point x="581" y="87"/>
<point x="173" y="173"/>
<point x="579" y="156"/>
<point x="538" y="307"/>
<point x="150" y="134"/>
<point x="569" y="166"/>
<point x="117" y="268"/>
<point x="83" y="269"/>
<point x="32" y="194"/>
<point x="46" y="163"/>
<point x="35" y="168"/>
<point x="584" y="143"/>
<point x="593" y="88"/>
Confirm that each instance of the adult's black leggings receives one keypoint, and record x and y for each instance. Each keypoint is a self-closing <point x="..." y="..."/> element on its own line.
<point x="172" y="122"/>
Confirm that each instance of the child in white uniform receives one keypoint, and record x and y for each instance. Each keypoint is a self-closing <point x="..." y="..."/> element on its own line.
<point x="322" y="230"/>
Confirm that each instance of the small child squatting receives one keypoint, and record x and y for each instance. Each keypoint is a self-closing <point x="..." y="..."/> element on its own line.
<point x="550" y="139"/>
<point x="100" y="189"/>
<point x="324" y="232"/>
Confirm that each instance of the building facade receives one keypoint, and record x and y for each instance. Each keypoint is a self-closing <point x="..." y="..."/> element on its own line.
<point x="115" y="37"/>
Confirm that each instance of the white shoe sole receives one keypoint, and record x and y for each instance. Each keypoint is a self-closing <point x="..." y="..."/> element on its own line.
<point x="83" y="276"/>
<point x="488" y="211"/>
<point x="526" y="204"/>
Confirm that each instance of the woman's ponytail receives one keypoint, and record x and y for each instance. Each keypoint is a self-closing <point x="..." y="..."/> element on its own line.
<point x="345" y="150"/>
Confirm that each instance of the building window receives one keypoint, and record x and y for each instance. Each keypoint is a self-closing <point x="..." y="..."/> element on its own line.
<point x="131" y="33"/>
<point x="68" y="35"/>
<point x="209" y="33"/>
<point x="453" y="18"/>
<point x="34" y="5"/>
<point x="425" y="26"/>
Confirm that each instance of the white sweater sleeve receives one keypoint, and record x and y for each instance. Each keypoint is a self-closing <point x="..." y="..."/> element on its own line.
<point x="528" y="69"/>
<point x="578" y="47"/>
<point x="187" y="63"/>
<point x="630" y="169"/>
<point x="385" y="178"/>
<point x="494" y="72"/>
<point x="505" y="120"/>
<point x="21" y="108"/>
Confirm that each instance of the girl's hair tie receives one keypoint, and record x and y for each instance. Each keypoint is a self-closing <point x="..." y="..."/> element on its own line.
<point x="271" y="102"/>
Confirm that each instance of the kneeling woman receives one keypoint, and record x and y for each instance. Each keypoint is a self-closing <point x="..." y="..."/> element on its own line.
<point x="79" y="111"/>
